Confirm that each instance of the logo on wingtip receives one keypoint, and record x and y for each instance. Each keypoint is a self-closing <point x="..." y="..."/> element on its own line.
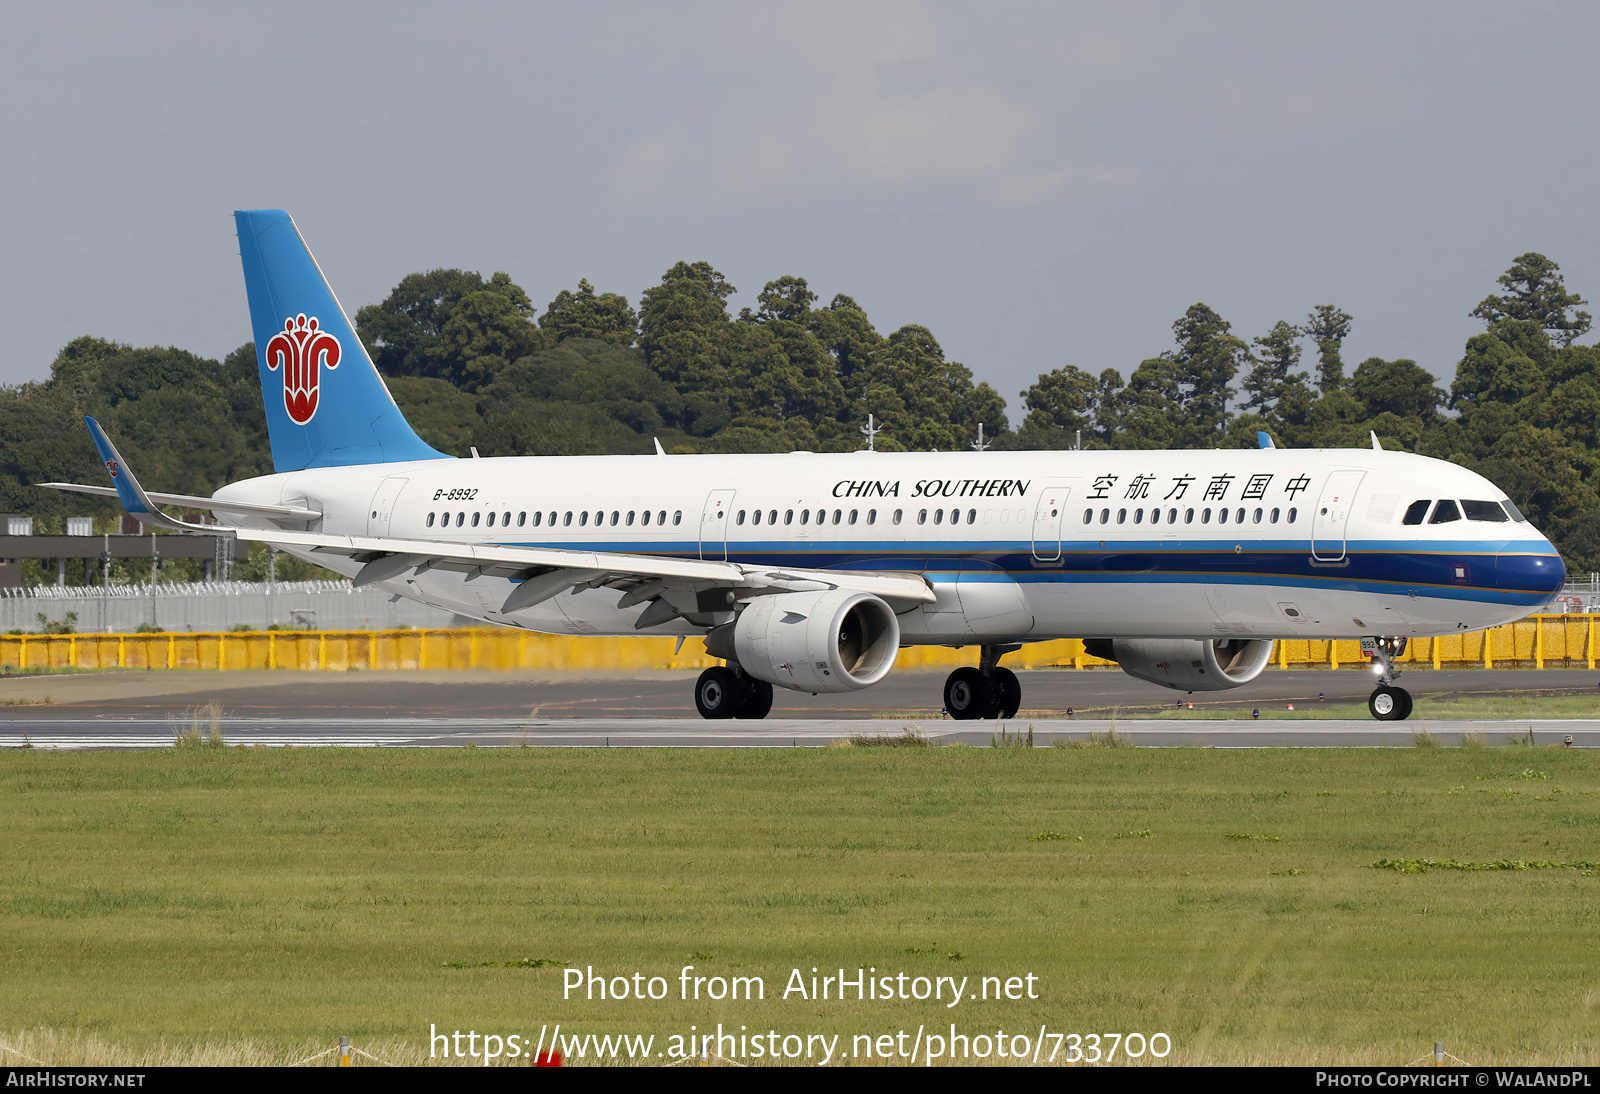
<point x="302" y="350"/>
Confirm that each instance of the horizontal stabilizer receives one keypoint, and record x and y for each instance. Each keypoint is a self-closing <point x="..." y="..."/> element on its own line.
<point x="189" y="501"/>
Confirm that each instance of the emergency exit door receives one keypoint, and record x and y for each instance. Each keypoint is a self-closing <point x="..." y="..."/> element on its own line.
<point x="1047" y="515"/>
<point x="714" y="525"/>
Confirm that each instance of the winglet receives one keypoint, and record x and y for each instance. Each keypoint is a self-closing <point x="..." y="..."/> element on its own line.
<point x="1376" y="447"/>
<point x="1264" y="439"/>
<point x="129" y="492"/>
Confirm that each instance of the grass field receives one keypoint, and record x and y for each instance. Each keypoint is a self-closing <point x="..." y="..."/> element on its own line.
<point x="208" y="904"/>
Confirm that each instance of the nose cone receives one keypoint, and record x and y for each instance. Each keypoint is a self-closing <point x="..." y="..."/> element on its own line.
<point x="1531" y="573"/>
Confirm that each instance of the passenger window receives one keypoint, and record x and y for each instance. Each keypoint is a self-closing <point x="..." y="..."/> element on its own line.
<point x="630" y="518"/>
<point x="1292" y="514"/>
<point x="1417" y="511"/>
<point x="505" y="520"/>
<point x="922" y="516"/>
<point x="872" y="516"/>
<point x="553" y="520"/>
<point x="583" y="519"/>
<point x="430" y="520"/>
<point x="461" y="518"/>
<point x="805" y="515"/>
<point x="938" y="516"/>
<point x="852" y="516"/>
<point x="837" y="515"/>
<point x="1484" y="510"/>
<point x="614" y="516"/>
<point x="740" y="518"/>
<point x="1257" y="517"/>
<point x="1205" y="516"/>
<point x="1138" y="516"/>
<point x="1105" y="516"/>
<point x="1238" y="518"/>
<point x="522" y="520"/>
<point x="1155" y="516"/>
<point x="538" y="518"/>
<point x="567" y="520"/>
<point x="475" y="517"/>
<point x="772" y="517"/>
<point x="1088" y="516"/>
<point x="1222" y="516"/>
<point x="644" y="518"/>
<point x="972" y="516"/>
<point x="955" y="516"/>
<point x="1275" y="516"/>
<point x="677" y="517"/>
<point x="788" y="516"/>
<point x="897" y="516"/>
<point x="1188" y="516"/>
<point x="1445" y="512"/>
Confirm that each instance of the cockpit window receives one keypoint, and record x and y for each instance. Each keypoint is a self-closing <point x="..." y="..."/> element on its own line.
<point x="1516" y="514"/>
<point x="1483" y="510"/>
<point x="1418" y="510"/>
<point x="1445" y="512"/>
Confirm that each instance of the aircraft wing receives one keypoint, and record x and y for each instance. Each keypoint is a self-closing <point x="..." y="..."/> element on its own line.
<point x="544" y="572"/>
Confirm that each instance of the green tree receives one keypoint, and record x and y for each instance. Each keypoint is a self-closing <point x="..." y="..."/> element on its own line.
<point x="1400" y="387"/>
<point x="1149" y="408"/>
<point x="1061" y="404"/>
<point x="1328" y="327"/>
<point x="449" y="324"/>
<point x="924" y="402"/>
<point x="1207" y="358"/>
<point x="1536" y="293"/>
<point x="606" y="317"/>
<point x="1276" y="359"/>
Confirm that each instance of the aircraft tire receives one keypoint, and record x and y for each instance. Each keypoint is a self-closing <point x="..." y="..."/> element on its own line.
<point x="757" y="700"/>
<point x="719" y="693"/>
<point x="1389" y="704"/>
<point x="1007" y="694"/>
<point x="968" y="694"/>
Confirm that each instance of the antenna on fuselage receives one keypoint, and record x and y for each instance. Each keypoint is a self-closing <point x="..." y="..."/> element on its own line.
<point x="1376" y="447"/>
<point x="871" y="432"/>
<point x="978" y="445"/>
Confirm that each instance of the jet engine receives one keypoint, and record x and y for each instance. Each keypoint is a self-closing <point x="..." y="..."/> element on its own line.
<point x="1187" y="664"/>
<point x="826" y="641"/>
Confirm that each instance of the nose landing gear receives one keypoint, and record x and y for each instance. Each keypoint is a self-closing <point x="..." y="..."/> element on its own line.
<point x="1388" y="703"/>
<point x="987" y="691"/>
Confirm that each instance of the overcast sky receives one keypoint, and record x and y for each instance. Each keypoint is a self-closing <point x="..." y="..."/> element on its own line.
<point x="1039" y="184"/>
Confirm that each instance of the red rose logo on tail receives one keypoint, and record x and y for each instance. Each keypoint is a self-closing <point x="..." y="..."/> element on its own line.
<point x="302" y="350"/>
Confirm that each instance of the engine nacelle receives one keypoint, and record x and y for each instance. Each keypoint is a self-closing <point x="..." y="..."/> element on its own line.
<point x="827" y="641"/>
<point x="1187" y="664"/>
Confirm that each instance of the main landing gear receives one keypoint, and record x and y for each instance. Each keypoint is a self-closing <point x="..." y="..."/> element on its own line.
<point x="1388" y="703"/>
<point x="729" y="693"/>
<point x="987" y="691"/>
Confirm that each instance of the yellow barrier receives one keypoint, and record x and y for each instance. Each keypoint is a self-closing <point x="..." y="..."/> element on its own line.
<point x="1541" y="641"/>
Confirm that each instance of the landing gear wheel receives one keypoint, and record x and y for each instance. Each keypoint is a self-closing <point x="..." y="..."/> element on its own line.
<point x="1007" y="694"/>
<point x="968" y="694"/>
<point x="757" y="699"/>
<point x="719" y="693"/>
<point x="1389" y="704"/>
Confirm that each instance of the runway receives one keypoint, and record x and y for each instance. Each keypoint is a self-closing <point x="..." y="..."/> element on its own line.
<point x="138" y="710"/>
<point x="141" y="733"/>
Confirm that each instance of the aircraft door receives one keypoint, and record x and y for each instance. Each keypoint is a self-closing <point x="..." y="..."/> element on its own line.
<point x="1047" y="515"/>
<point x="382" y="507"/>
<point x="1332" y="513"/>
<point x="714" y="525"/>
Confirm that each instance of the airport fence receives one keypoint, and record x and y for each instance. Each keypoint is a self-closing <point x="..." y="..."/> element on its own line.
<point x="1541" y="641"/>
<point x="203" y="607"/>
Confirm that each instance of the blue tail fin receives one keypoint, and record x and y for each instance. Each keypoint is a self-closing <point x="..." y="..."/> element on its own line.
<point x="326" y="404"/>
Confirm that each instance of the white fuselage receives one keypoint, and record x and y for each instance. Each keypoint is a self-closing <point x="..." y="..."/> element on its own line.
<point x="1019" y="546"/>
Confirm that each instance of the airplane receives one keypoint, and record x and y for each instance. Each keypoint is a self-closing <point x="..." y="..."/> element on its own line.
<point x="810" y="571"/>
